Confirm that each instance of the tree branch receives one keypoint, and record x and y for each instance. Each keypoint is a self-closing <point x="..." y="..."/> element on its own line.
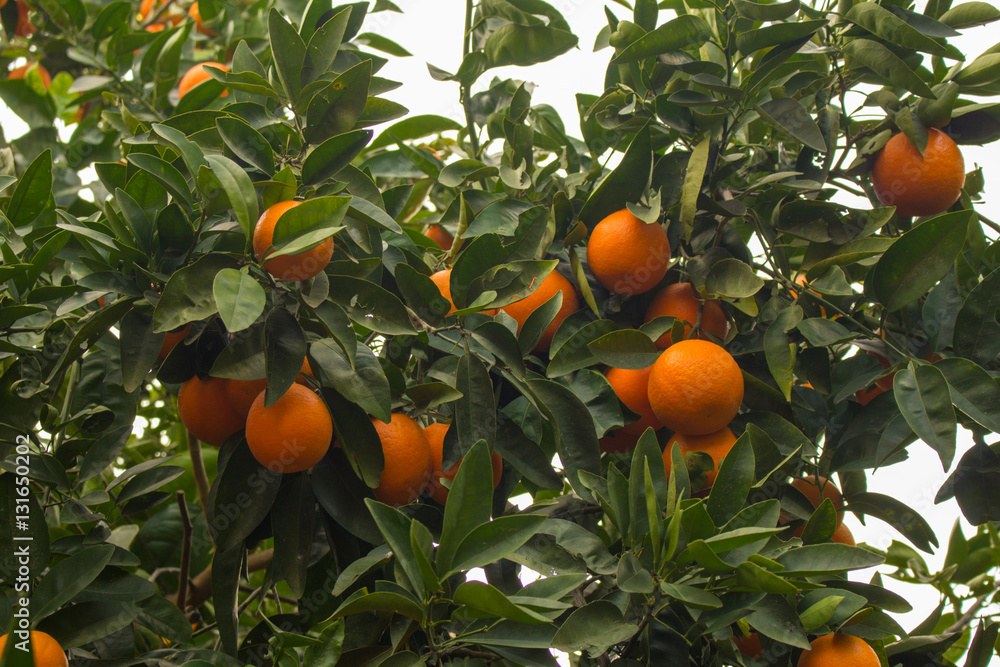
<point x="182" y="583"/>
<point x="198" y="470"/>
<point x="201" y="585"/>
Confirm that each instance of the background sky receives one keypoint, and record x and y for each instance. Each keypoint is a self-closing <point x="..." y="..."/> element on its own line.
<point x="432" y="31"/>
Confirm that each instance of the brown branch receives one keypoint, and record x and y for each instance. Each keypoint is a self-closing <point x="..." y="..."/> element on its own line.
<point x="959" y="625"/>
<point x="182" y="582"/>
<point x="201" y="585"/>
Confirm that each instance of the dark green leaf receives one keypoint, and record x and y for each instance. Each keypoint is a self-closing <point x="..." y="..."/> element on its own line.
<point x="977" y="334"/>
<point x="593" y="628"/>
<point x="493" y="540"/>
<point x="904" y="519"/>
<point x="886" y="64"/>
<point x="67" y="578"/>
<point x="333" y="155"/>
<point x="239" y="297"/>
<point x="625" y="348"/>
<point x="247" y="143"/>
<point x="736" y="476"/>
<point x="370" y="305"/>
<point x="683" y="31"/>
<point x="235" y="513"/>
<point x="467" y="505"/>
<point x="289" y="53"/>
<point x="923" y="398"/>
<point x="188" y="295"/>
<point x="475" y="412"/>
<point x="788" y="115"/>
<point x="34" y="188"/>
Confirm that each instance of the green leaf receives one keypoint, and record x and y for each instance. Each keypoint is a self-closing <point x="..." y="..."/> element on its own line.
<point x="377" y="557"/>
<point x="468" y="506"/>
<point x="371" y="305"/>
<point x="626" y="183"/>
<point x="593" y="628"/>
<point x="886" y="64"/>
<point x="491" y="601"/>
<point x="919" y="259"/>
<point x="625" y="348"/>
<point x="779" y="349"/>
<point x="395" y="528"/>
<point x="493" y="540"/>
<point x="788" y="115"/>
<point x="973" y="391"/>
<point x="692" y="596"/>
<point x="774" y="617"/>
<point x="239" y="188"/>
<point x="821" y="332"/>
<point x="970" y="15"/>
<point x="324" y="43"/>
<point x="977" y="333"/>
<point x="289" y="52"/>
<point x="292" y="523"/>
<point x="110" y="20"/>
<point x="78" y="624"/>
<point x="240" y="298"/>
<point x="234" y="515"/>
<point x="767" y="12"/>
<point x="336" y="108"/>
<point x="475" y="412"/>
<point x="308" y="224"/>
<point x="34" y="188"/>
<point x="67" y="578"/>
<point x="684" y="31"/>
<point x="329" y="648"/>
<point x="752" y="41"/>
<point x="881" y="22"/>
<point x="895" y="513"/>
<point x="247" y="143"/>
<point x="694" y="174"/>
<point x="381" y="43"/>
<point x="731" y="487"/>
<point x="363" y="601"/>
<point x="923" y="398"/>
<point x="574" y="354"/>
<point x="982" y="71"/>
<point x="733" y="279"/>
<point x="139" y="348"/>
<point x="188" y="295"/>
<point x="513" y="44"/>
<point x="284" y="349"/>
<point x="165" y="174"/>
<point x="817" y="559"/>
<point x="332" y="155"/>
<point x="976" y="479"/>
<point x="414" y="127"/>
<point x="358" y="378"/>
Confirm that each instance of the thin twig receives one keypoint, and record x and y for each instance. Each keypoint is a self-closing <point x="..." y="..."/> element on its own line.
<point x="198" y="470"/>
<point x="182" y="583"/>
<point x="960" y="624"/>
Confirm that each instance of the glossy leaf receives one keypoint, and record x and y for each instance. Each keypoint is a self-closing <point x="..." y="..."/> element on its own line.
<point x="239" y="297"/>
<point x="925" y="402"/>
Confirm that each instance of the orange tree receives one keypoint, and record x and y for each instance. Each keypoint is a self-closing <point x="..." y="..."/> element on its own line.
<point x="738" y="128"/>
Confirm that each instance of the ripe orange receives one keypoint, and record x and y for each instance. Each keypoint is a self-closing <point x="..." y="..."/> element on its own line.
<point x="839" y="651"/>
<point x="301" y="266"/>
<point x="195" y="14"/>
<point x="627" y="255"/>
<point x="749" y="645"/>
<point x="22" y="71"/>
<point x="242" y="393"/>
<point x="632" y="388"/>
<point x="170" y="341"/>
<point x="408" y="461"/>
<point x="843" y="536"/>
<point x="442" y="279"/>
<point x="716" y="445"/>
<point x="24" y="25"/>
<point x="554" y="282"/>
<point x="293" y="434"/>
<point x="680" y="300"/>
<point x="45" y="650"/>
<point x="435" y="437"/>
<point x="816" y="488"/>
<point x="196" y="75"/>
<point x="695" y="387"/>
<point x="3" y="3"/>
<point x="205" y="410"/>
<point x="146" y="7"/>
<point x="440" y="235"/>
<point x="306" y="370"/>
<point x="866" y="395"/>
<point x="915" y="184"/>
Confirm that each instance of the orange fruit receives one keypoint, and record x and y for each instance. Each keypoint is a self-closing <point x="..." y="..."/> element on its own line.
<point x="866" y="395"/>
<point x="205" y="410"/>
<point x="3" y="3"/>
<point x="196" y="75"/>
<point x="749" y="645"/>
<point x="554" y="282"/>
<point x="440" y="235"/>
<point x="45" y="650"/>
<point x="435" y="437"/>
<point x="293" y="434"/>
<point x="816" y="488"/>
<point x="408" y="461"/>
<point x="195" y="14"/>
<point x="632" y="388"/>
<point x="242" y="393"/>
<point x="917" y="184"/>
<point x="170" y="341"/>
<point x="839" y="651"/>
<point x="24" y="25"/>
<point x="843" y="536"/>
<point x="22" y="71"/>
<point x="442" y="279"/>
<point x="146" y="7"/>
<point x="680" y="300"/>
<point x="627" y="255"/>
<point x="301" y="266"/>
<point x="716" y="445"/>
<point x="695" y="387"/>
<point x="306" y="370"/>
